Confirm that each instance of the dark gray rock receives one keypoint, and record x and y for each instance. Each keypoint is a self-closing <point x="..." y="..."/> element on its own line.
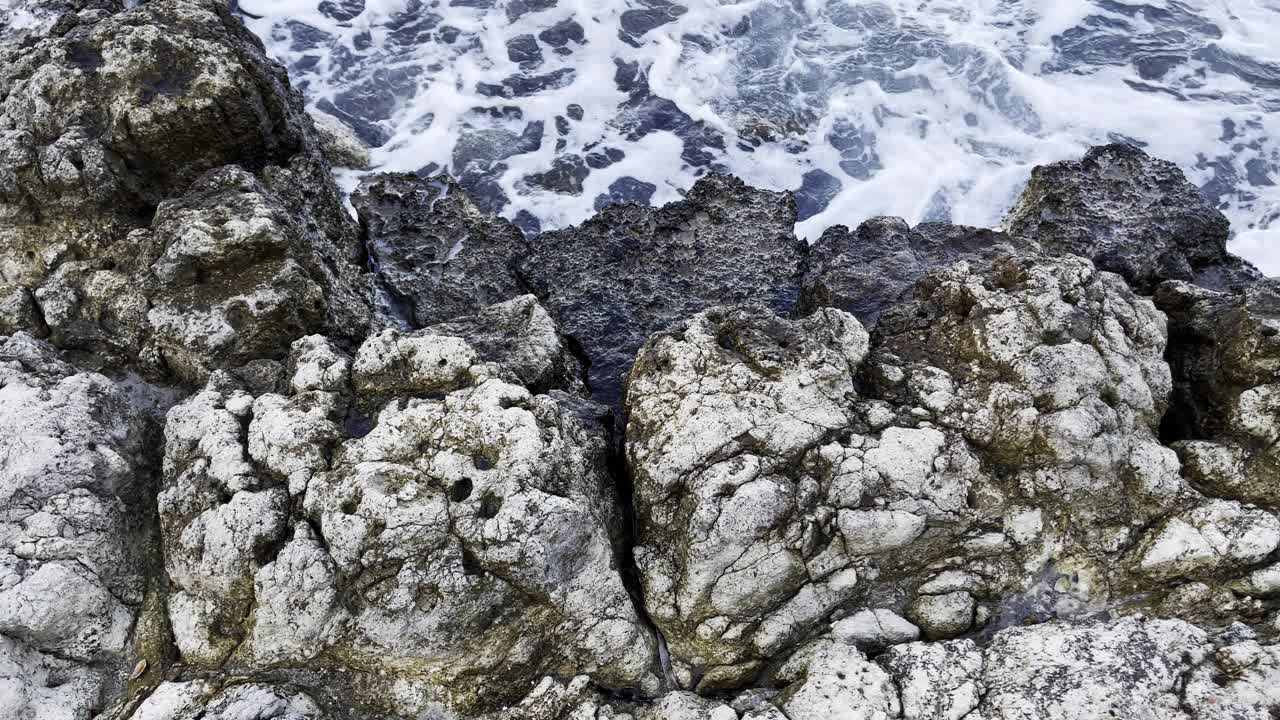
<point x="865" y="270"/>
<point x="1131" y="214"/>
<point x="436" y="256"/>
<point x="631" y="270"/>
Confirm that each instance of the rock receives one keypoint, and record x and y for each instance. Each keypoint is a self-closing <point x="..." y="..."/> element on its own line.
<point x="1243" y="681"/>
<point x="943" y="616"/>
<point x="315" y="363"/>
<point x="436" y="255"/>
<point x="391" y="363"/>
<point x="722" y="411"/>
<point x="339" y="143"/>
<point x="467" y="532"/>
<point x="1051" y="370"/>
<point x="240" y="279"/>
<point x="841" y="684"/>
<point x="866" y="270"/>
<point x="1219" y="535"/>
<point x="75" y="531"/>
<point x="1224" y="353"/>
<point x="874" y="629"/>
<point x="940" y="680"/>
<point x="520" y="335"/>
<point x="167" y="100"/>
<point x="202" y="699"/>
<point x="1090" y="670"/>
<point x="1131" y="214"/>
<point x="632" y="271"/>
<point x="133" y="112"/>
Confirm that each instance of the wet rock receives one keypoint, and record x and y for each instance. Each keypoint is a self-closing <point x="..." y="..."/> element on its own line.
<point x="561" y="34"/>
<point x="632" y="271"/>
<point x="1224" y="352"/>
<point x="339" y="143"/>
<point x="652" y="13"/>
<point x="565" y="176"/>
<point x="817" y="188"/>
<point x="436" y="255"/>
<point x="626" y="190"/>
<point x="524" y="50"/>
<point x="1131" y="214"/>
<point x="866" y="270"/>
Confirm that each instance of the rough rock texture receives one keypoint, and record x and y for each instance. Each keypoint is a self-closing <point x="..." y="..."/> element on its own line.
<point x="865" y="270"/>
<point x="521" y="335"/>
<point x="1135" y="667"/>
<point x="997" y="433"/>
<point x="437" y="256"/>
<point x="340" y="144"/>
<point x="1131" y="214"/>
<point x="109" y="116"/>
<point x="405" y="512"/>
<point x="77" y="545"/>
<point x="1225" y="358"/>
<point x="632" y="270"/>
<point x="1023" y="491"/>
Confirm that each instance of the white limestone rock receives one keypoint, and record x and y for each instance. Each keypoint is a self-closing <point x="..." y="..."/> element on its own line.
<point x="1219" y="535"/>
<point x="75" y="528"/>
<point x="841" y="684"/>
<point x="874" y="629"/>
<point x="1088" y="671"/>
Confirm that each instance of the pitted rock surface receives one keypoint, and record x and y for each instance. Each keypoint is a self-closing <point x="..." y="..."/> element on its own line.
<point x="163" y="135"/>
<point x="632" y="271"/>
<point x="437" y="256"/>
<point x="866" y="270"/>
<point x="467" y="531"/>
<point x="77" y="545"/>
<point x="1131" y="214"/>
<point x="258" y="462"/>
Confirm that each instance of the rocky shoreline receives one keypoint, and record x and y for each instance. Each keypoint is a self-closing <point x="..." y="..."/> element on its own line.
<point x="259" y="459"/>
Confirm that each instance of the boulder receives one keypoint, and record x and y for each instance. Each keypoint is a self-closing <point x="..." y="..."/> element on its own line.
<point x="163" y="203"/>
<point x="1224" y="353"/>
<point x="1131" y="214"/>
<point x="411" y="515"/>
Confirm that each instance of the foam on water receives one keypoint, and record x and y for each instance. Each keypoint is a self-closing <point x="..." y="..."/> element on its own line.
<point x="548" y="109"/>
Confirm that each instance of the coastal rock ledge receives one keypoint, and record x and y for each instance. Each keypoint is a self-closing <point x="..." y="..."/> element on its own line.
<point x="261" y="460"/>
